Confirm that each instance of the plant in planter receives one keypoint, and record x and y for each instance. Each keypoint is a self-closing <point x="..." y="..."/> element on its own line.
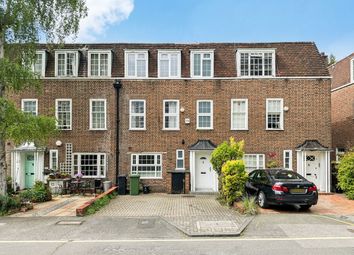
<point x="272" y="162"/>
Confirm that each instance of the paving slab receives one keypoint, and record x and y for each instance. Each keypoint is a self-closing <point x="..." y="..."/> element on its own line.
<point x="194" y="215"/>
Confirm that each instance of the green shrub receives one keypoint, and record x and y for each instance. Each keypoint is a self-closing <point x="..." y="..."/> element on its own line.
<point x="250" y="206"/>
<point x="346" y="174"/>
<point x="234" y="177"/>
<point x="226" y="151"/>
<point x="98" y="204"/>
<point x="9" y="188"/>
<point x="8" y="203"/>
<point x="38" y="193"/>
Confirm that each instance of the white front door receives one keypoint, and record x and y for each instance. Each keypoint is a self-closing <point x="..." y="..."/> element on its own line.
<point x="204" y="173"/>
<point x="313" y="166"/>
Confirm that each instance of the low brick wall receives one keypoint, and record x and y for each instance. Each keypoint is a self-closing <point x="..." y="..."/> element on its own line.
<point x="80" y="211"/>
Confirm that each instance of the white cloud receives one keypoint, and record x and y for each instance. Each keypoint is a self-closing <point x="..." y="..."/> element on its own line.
<point x="101" y="14"/>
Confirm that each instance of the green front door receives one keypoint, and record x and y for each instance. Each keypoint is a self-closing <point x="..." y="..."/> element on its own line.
<point x="29" y="171"/>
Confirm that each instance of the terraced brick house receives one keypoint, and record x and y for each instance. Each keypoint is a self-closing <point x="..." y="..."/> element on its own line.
<point x="158" y="110"/>
<point x="342" y="96"/>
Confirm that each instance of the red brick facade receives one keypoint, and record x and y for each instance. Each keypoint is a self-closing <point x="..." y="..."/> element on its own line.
<point x="307" y="98"/>
<point x="342" y="98"/>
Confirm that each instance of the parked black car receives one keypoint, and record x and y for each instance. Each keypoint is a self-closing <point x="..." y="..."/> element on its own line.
<point x="281" y="187"/>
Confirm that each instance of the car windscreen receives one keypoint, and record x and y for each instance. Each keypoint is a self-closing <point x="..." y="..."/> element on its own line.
<point x="285" y="175"/>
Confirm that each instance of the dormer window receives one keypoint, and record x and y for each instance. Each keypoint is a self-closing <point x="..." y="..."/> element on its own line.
<point x="169" y="64"/>
<point x="38" y="66"/>
<point x="136" y="63"/>
<point x="255" y="62"/>
<point x="66" y="63"/>
<point x="99" y="63"/>
<point x="202" y="63"/>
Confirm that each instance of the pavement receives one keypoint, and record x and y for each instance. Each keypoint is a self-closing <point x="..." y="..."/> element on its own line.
<point x="58" y="206"/>
<point x="194" y="215"/>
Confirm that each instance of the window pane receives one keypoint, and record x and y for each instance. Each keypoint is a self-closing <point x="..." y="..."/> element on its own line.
<point x="98" y="115"/>
<point x="147" y="166"/>
<point x="30" y="107"/>
<point x="61" y="64"/>
<point x="206" y="67"/>
<point x="197" y="66"/>
<point x="174" y="65"/>
<point x="164" y="72"/>
<point x="141" y="65"/>
<point x="204" y="121"/>
<point x="71" y="63"/>
<point x="131" y="64"/>
<point x="38" y="63"/>
<point x="104" y="64"/>
<point x="244" y="64"/>
<point x="64" y="114"/>
<point x="204" y="107"/>
<point x="137" y="107"/>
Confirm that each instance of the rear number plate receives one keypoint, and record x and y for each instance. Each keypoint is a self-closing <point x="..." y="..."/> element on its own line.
<point x="297" y="191"/>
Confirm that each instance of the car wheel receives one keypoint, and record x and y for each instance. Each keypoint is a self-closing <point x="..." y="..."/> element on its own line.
<point x="305" y="207"/>
<point x="262" y="200"/>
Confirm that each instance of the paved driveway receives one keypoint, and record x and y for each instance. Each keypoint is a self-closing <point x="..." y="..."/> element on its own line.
<point x="198" y="215"/>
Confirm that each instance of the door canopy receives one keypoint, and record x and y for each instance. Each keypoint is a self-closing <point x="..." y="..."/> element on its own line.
<point x="202" y="145"/>
<point x="312" y="145"/>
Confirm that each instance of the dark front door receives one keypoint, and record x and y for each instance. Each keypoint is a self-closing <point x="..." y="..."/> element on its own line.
<point x="177" y="183"/>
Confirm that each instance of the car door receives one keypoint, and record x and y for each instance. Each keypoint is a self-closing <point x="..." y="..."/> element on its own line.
<point x="251" y="184"/>
<point x="263" y="182"/>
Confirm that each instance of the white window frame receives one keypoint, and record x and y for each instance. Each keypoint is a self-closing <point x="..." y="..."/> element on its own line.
<point x="339" y="153"/>
<point x="281" y="113"/>
<point x="169" y="52"/>
<point x="29" y="100"/>
<point x="79" y="154"/>
<point x="193" y="52"/>
<point x="71" y="112"/>
<point x="76" y="67"/>
<point x="246" y="113"/>
<point x="211" y="114"/>
<point x="170" y="114"/>
<point x="137" y="114"/>
<point x="180" y="158"/>
<point x="238" y="62"/>
<point x="105" y="113"/>
<point x="137" y="164"/>
<point x="352" y="70"/>
<point x="136" y="52"/>
<point x="109" y="66"/>
<point x="290" y="159"/>
<point x="44" y="60"/>
<point x="51" y="153"/>
<point x="257" y="156"/>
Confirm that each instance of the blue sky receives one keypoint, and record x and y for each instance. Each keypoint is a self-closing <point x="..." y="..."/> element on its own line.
<point x="329" y="23"/>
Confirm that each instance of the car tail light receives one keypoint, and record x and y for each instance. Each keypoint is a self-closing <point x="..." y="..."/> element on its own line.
<point x="279" y="187"/>
<point x="313" y="188"/>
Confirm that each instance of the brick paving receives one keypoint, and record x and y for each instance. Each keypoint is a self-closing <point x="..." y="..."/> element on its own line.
<point x="58" y="206"/>
<point x="332" y="204"/>
<point x="199" y="215"/>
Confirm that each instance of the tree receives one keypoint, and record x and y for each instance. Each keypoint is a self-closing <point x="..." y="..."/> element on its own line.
<point x="226" y="151"/>
<point x="331" y="60"/>
<point x="23" y="23"/>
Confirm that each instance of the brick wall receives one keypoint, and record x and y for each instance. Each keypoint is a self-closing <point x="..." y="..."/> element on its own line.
<point x="340" y="72"/>
<point x="308" y="117"/>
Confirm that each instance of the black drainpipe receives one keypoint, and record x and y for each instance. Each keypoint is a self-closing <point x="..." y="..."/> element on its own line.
<point x="117" y="85"/>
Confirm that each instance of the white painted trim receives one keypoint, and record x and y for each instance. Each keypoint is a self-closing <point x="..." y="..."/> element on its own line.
<point x="164" y="114"/>
<point x="290" y="159"/>
<point x="71" y="112"/>
<point x="211" y="114"/>
<point x="44" y="62"/>
<point x="169" y="52"/>
<point x="182" y="158"/>
<point x="75" y="72"/>
<point x="155" y="163"/>
<point x="98" y="164"/>
<point x="342" y="87"/>
<point x="139" y="114"/>
<point x="255" y="50"/>
<point x="232" y="112"/>
<point x="29" y="100"/>
<point x="99" y="52"/>
<point x="136" y="52"/>
<point x="105" y="113"/>
<point x="189" y="78"/>
<point x="201" y="51"/>
<point x="281" y="114"/>
<point x="51" y="152"/>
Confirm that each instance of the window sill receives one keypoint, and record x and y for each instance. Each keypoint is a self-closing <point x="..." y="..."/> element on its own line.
<point x="151" y="178"/>
<point x="205" y="129"/>
<point x="137" y="129"/>
<point x="273" y="129"/>
<point x="165" y="129"/>
<point x="232" y="129"/>
<point x="66" y="129"/>
<point x="98" y="129"/>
